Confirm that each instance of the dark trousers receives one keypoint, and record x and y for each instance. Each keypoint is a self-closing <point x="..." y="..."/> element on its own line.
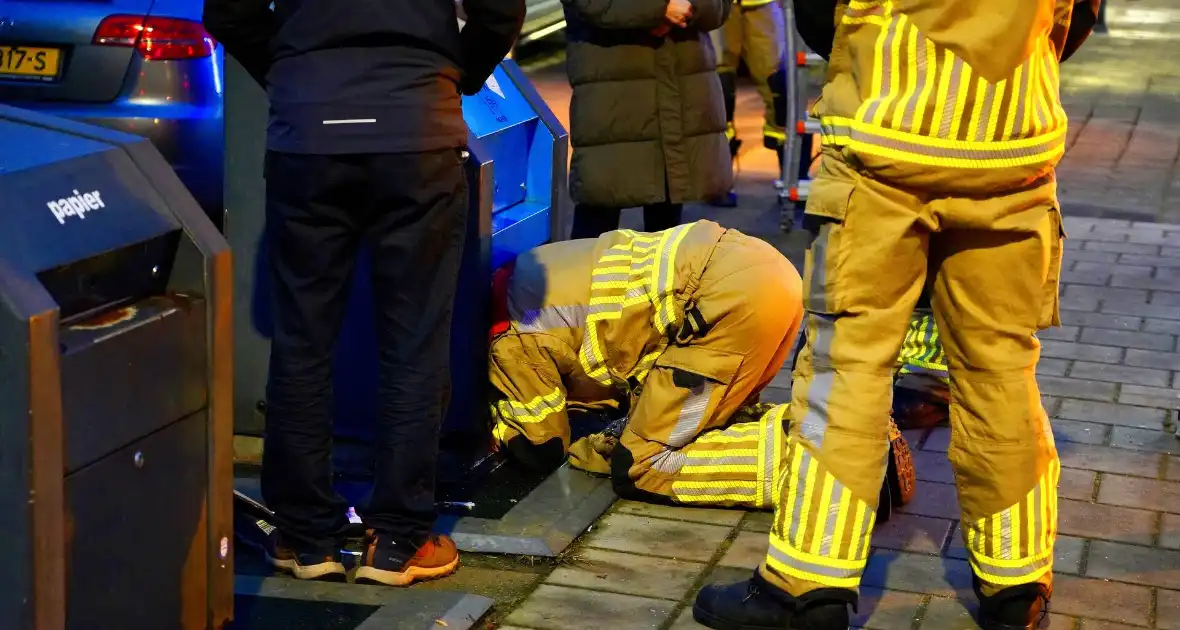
<point x="594" y="221"/>
<point x="409" y="210"/>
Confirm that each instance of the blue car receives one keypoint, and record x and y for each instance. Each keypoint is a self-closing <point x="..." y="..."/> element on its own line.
<point x="143" y="66"/>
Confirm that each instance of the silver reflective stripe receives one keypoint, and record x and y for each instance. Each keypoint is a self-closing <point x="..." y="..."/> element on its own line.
<point x="715" y="490"/>
<point x="980" y="155"/>
<point x="609" y="277"/>
<point x="634" y="293"/>
<point x="819" y="391"/>
<point x="769" y="456"/>
<point x="552" y="318"/>
<point x="833" y="513"/>
<point x="697" y="459"/>
<point x="518" y="409"/>
<point x="817" y="296"/>
<point x="922" y="64"/>
<point x="800" y="483"/>
<point x="952" y="97"/>
<point x="669" y="462"/>
<point x="1005" y="550"/>
<point x="689" y="421"/>
<point x="809" y="567"/>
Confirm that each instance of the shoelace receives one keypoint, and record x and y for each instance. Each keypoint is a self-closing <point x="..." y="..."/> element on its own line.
<point x="752" y="591"/>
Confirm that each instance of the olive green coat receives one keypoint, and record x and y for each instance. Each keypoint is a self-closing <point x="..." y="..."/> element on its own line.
<point x="647" y="119"/>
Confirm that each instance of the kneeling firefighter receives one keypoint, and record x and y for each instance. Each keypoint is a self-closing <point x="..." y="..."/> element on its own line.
<point x="674" y="330"/>
<point x="942" y="128"/>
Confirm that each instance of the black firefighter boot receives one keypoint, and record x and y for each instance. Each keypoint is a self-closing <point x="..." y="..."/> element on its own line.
<point x="1014" y="608"/>
<point x="759" y="605"/>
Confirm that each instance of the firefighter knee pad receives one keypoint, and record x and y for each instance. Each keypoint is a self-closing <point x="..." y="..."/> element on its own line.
<point x="541" y="457"/>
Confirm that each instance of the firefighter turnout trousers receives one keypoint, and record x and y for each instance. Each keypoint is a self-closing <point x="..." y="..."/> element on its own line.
<point x="921" y="366"/>
<point x="754" y="32"/>
<point x="682" y="328"/>
<point x="942" y="126"/>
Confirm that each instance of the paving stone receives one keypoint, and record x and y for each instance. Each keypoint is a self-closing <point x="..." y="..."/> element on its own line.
<point x="1099" y="599"/>
<point x="1140" y="308"/>
<point x="1111" y="413"/>
<point x="1162" y="326"/>
<point x="1100" y="320"/>
<point x="1154" y="261"/>
<point x="886" y="610"/>
<point x="1150" y="566"/>
<point x="1106" y="459"/>
<point x="918" y="573"/>
<point x="1082" y="266"/>
<point x="1128" y="339"/>
<point x="1121" y="248"/>
<point x="677" y="513"/>
<point x="937" y="500"/>
<point x="658" y="537"/>
<point x="1097" y="624"/>
<point x="938" y="440"/>
<point x="907" y="532"/>
<point x="1137" y="492"/>
<point x="1081" y="351"/>
<point x="1153" y="359"/>
<point x="1077" y="484"/>
<point x="1150" y="396"/>
<point x="1170" y="531"/>
<point x="776" y="395"/>
<point x="1060" y="333"/>
<point x="1173" y="473"/>
<point x="561" y="608"/>
<point x="1067" y="551"/>
<point x="626" y="573"/>
<point x="1076" y="388"/>
<point x="1095" y="520"/>
<point x="1120" y="373"/>
<point x="1167" y="612"/>
<point x="933" y="466"/>
<point x="759" y="521"/>
<point x="686" y="622"/>
<point x="1081" y="432"/>
<point x="747" y="551"/>
<point x="1145" y="440"/>
<point x="1053" y="367"/>
<point x="1081" y="255"/>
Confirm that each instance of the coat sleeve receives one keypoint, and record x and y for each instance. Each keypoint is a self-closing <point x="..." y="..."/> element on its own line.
<point x="1085" y="16"/>
<point x="644" y="14"/>
<point x="709" y="15"/>
<point x="489" y="32"/>
<point x="816" y="22"/>
<point x="245" y="29"/>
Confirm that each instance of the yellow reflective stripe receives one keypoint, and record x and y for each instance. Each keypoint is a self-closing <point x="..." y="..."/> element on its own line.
<point x="931" y="57"/>
<point x="831" y="572"/>
<point x="904" y="111"/>
<point x="993" y="119"/>
<point x="1015" y="545"/>
<point x="774" y="133"/>
<point x="825" y="507"/>
<point x="1015" y="106"/>
<point x="961" y="87"/>
<point x="799" y="526"/>
<point x="981" y="89"/>
<point x="534" y="410"/>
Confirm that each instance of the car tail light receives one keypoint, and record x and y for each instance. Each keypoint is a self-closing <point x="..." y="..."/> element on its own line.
<point x="156" y="37"/>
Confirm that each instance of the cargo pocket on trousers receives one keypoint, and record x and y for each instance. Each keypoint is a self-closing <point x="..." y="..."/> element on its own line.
<point x="694" y="374"/>
<point x="1051" y="298"/>
<point x="825" y="220"/>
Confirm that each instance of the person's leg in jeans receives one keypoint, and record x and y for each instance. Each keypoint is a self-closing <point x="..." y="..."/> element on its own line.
<point x="594" y="221"/>
<point x="313" y="206"/>
<point x="658" y="217"/>
<point x="417" y="218"/>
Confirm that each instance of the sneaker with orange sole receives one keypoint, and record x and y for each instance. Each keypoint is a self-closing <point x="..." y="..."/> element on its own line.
<point x="384" y="561"/>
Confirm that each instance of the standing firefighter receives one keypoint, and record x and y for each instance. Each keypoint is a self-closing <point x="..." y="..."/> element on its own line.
<point x="942" y="127"/>
<point x="753" y="33"/>
<point x="682" y="328"/>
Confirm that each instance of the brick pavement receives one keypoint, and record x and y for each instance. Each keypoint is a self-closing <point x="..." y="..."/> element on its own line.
<point x="1110" y="378"/>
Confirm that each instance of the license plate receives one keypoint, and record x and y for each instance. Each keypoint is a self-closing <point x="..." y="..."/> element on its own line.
<point x="26" y="62"/>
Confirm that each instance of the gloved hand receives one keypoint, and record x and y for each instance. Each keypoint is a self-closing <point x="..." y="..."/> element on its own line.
<point x="592" y="453"/>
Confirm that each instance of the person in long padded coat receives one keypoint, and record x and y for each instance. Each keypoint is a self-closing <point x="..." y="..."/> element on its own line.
<point x="647" y="118"/>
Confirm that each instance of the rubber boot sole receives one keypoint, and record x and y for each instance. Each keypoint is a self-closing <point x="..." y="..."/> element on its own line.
<point x="323" y="572"/>
<point x="370" y="575"/>
<point x="716" y="623"/>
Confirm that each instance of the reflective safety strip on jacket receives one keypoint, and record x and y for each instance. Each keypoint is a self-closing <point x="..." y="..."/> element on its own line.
<point x="730" y="131"/>
<point x="775" y="134"/>
<point x="1015" y="546"/>
<point x="533" y="411"/>
<point x="822" y="532"/>
<point x="921" y="352"/>
<point x="926" y="106"/>
<point x="638" y="272"/>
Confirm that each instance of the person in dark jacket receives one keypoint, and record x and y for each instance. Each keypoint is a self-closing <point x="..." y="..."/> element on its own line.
<point x="647" y="119"/>
<point x="364" y="148"/>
